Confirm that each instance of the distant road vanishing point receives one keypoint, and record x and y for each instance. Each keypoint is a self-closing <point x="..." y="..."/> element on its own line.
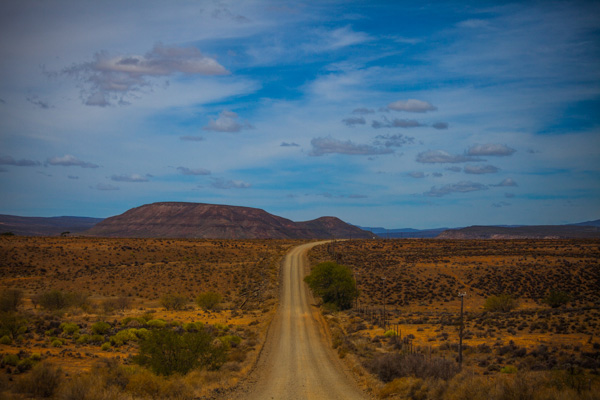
<point x="297" y="362"/>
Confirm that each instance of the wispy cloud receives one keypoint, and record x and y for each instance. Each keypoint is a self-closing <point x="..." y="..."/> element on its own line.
<point x="329" y="145"/>
<point x="129" y="178"/>
<point x="508" y="182"/>
<point x="398" y="140"/>
<point x="289" y="144"/>
<point x="331" y="40"/>
<point x="396" y="123"/>
<point x="227" y="121"/>
<point x="354" y="121"/>
<point x="195" y="171"/>
<point x="460" y="187"/>
<point x="480" y="169"/>
<point x="220" y="183"/>
<point x="70" y="161"/>
<point x="416" y="174"/>
<point x="108" y="79"/>
<point x="8" y="160"/>
<point x="440" y="125"/>
<point x="440" y="156"/>
<point x="490" y="150"/>
<point x="35" y="100"/>
<point x="412" y="105"/>
<point x="363" y="111"/>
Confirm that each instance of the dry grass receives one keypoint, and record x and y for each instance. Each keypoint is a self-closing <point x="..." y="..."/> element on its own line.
<point x="121" y="281"/>
<point x="422" y="281"/>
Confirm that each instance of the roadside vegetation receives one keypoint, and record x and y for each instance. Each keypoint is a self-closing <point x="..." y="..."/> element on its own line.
<point x="84" y="318"/>
<point x="531" y="318"/>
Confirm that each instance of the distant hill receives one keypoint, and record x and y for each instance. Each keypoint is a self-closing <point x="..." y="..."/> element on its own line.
<point x="197" y="220"/>
<point x="41" y="226"/>
<point x="404" y="233"/>
<point x="578" y="231"/>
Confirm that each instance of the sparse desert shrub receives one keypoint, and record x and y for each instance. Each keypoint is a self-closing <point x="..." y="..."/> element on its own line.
<point x="166" y="352"/>
<point x="69" y="328"/>
<point x="556" y="298"/>
<point x="405" y="388"/>
<point x="334" y="283"/>
<point x="52" y="300"/>
<point x="10" y="359"/>
<point x="101" y="328"/>
<point x="12" y="324"/>
<point x="124" y="336"/>
<point x="174" y="302"/>
<point x="208" y="300"/>
<point x="5" y="340"/>
<point x="120" y="303"/>
<point x="500" y="303"/>
<point x="390" y="366"/>
<point x="157" y="323"/>
<point x="43" y="380"/>
<point x="10" y="299"/>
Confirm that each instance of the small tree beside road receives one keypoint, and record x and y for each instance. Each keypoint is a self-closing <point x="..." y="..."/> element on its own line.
<point x="334" y="283"/>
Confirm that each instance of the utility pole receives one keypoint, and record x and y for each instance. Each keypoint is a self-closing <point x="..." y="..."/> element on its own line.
<point x="384" y="300"/>
<point x="460" y="335"/>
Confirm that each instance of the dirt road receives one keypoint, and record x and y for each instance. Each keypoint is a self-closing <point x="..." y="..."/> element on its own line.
<point x="296" y="362"/>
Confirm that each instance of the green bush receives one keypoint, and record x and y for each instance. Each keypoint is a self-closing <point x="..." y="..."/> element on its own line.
<point x="124" y="336"/>
<point x="156" y="323"/>
<point x="174" y="302"/>
<point x="5" y="340"/>
<point x="10" y="299"/>
<point x="334" y="283"/>
<point x="69" y="328"/>
<point x="43" y="380"/>
<point x="52" y="300"/>
<point x="193" y="326"/>
<point x="56" y="343"/>
<point x="100" y="328"/>
<point x="12" y="324"/>
<point x="556" y="298"/>
<point x="105" y="346"/>
<point x="501" y="303"/>
<point x="10" y="359"/>
<point x="208" y="300"/>
<point x="83" y="339"/>
<point x="166" y="352"/>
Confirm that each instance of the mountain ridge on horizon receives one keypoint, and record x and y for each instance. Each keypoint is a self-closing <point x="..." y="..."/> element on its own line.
<point x="323" y="227"/>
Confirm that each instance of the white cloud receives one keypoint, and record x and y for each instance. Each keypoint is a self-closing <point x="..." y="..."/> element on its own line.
<point x="70" y="161"/>
<point x="328" y="145"/>
<point x="363" y="111"/>
<point x="109" y="79"/>
<point x="354" y="121"/>
<point x="220" y="183"/>
<point x="393" y="140"/>
<point x="396" y="123"/>
<point x="195" y="171"/>
<point x="417" y="174"/>
<point x="412" y="105"/>
<point x="460" y="187"/>
<point x="440" y="156"/>
<point x="129" y="178"/>
<point x="227" y="122"/>
<point x="480" y="169"/>
<point x="8" y="160"/>
<point x="490" y="150"/>
<point x="506" y="183"/>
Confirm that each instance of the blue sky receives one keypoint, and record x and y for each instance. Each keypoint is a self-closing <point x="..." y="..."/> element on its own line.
<point x="393" y="114"/>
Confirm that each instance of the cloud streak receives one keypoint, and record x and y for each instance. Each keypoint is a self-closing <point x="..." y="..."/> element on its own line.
<point x="196" y="171"/>
<point x="480" y="169"/>
<point x="108" y="79"/>
<point x="329" y="145"/>
<point x="460" y="187"/>
<point x="70" y="161"/>
<point x="8" y="160"/>
<point x="412" y="105"/>
<point x="498" y="150"/>
<point x="442" y="157"/>
<point x="227" y="121"/>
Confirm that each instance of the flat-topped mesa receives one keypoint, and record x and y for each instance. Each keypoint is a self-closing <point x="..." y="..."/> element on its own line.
<point x="213" y="221"/>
